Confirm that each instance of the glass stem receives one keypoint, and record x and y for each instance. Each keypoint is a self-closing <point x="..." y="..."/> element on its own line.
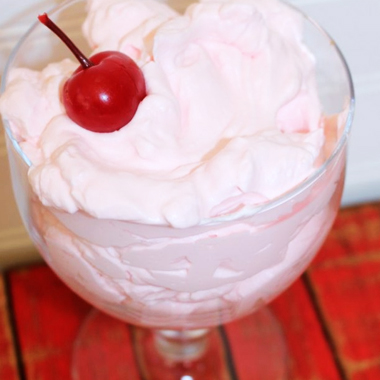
<point x="181" y="345"/>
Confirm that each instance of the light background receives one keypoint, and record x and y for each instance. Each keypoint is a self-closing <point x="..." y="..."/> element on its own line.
<point x="354" y="24"/>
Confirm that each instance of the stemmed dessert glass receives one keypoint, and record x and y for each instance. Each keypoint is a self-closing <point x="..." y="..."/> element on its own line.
<point x="198" y="277"/>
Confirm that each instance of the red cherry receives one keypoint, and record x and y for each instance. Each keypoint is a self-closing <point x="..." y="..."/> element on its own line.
<point x="104" y="97"/>
<point x="103" y="94"/>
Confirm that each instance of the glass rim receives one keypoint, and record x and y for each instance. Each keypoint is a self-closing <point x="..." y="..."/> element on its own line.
<point x="253" y="209"/>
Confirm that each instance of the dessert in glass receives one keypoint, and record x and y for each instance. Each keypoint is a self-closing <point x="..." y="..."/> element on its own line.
<point x="218" y="192"/>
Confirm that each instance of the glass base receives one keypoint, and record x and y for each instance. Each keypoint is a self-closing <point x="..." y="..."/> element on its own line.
<point x="181" y="355"/>
<point x="108" y="349"/>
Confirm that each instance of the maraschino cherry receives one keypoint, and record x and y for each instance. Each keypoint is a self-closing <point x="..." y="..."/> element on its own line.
<point x="103" y="94"/>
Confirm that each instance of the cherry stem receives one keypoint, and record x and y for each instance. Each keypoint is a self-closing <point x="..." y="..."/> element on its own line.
<point x="83" y="60"/>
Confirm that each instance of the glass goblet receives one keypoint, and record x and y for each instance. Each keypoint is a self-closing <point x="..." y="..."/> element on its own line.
<point x="181" y="283"/>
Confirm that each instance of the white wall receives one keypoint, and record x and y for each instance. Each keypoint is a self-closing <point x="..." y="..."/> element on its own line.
<point x="353" y="24"/>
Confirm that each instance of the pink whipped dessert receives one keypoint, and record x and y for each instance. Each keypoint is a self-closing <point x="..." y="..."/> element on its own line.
<point x="173" y="220"/>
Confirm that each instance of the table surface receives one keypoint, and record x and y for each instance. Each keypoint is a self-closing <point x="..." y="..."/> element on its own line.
<point x="330" y="316"/>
